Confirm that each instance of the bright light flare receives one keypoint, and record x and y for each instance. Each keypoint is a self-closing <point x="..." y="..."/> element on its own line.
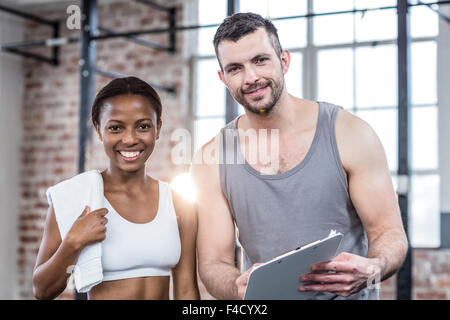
<point x="184" y="186"/>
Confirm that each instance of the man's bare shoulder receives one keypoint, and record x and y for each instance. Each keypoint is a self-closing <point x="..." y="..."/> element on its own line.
<point x="205" y="162"/>
<point x="356" y="140"/>
<point x="353" y="128"/>
<point x="205" y="174"/>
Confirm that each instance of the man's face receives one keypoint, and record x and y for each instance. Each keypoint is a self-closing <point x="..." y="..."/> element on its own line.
<point x="252" y="71"/>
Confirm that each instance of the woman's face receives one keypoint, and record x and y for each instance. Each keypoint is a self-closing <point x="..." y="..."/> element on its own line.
<point x="128" y="128"/>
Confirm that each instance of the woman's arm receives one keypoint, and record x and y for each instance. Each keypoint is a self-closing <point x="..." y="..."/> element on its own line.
<point x="55" y="255"/>
<point x="185" y="272"/>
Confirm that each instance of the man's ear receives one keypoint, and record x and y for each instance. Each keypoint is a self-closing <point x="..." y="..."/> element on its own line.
<point x="222" y="77"/>
<point x="285" y="58"/>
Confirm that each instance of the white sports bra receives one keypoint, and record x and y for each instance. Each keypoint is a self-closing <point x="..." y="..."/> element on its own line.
<point x="133" y="250"/>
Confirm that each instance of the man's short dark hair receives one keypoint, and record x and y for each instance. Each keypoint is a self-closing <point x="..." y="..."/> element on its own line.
<point x="238" y="25"/>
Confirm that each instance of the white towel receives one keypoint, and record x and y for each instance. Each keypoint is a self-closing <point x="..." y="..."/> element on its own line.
<point x="69" y="199"/>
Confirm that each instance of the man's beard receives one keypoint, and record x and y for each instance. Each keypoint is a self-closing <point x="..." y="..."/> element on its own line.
<point x="264" y="109"/>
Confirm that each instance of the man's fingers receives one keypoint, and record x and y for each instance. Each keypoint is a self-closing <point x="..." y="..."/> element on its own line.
<point x="327" y="287"/>
<point x="250" y="270"/>
<point x="327" y="278"/>
<point x="254" y="266"/>
<point x="337" y="266"/>
<point x="243" y="279"/>
<point x="344" y="294"/>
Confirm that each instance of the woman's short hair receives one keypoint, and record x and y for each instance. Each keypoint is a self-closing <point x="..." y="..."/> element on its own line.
<point x="125" y="86"/>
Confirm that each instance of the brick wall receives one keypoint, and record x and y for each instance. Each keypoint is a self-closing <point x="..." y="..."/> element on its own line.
<point x="431" y="276"/>
<point x="50" y="128"/>
<point x="51" y="104"/>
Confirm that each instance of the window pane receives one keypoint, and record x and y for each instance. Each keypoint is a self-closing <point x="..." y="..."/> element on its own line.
<point x="424" y="22"/>
<point x="333" y="29"/>
<point x="376" y="76"/>
<point x="210" y="93"/>
<point x="424" y="138"/>
<point x="394" y="178"/>
<point x="423" y="71"/>
<point x="384" y="122"/>
<point x="260" y="7"/>
<point x="289" y="39"/>
<point x="424" y="227"/>
<point x="282" y="8"/>
<point x="205" y="130"/>
<point x="205" y="41"/>
<point x="209" y="12"/>
<point x="376" y="25"/>
<point x="335" y="76"/>
<point x="294" y="76"/>
<point x="274" y="8"/>
<point x="362" y="4"/>
<point x="332" y="5"/>
<point x="285" y="8"/>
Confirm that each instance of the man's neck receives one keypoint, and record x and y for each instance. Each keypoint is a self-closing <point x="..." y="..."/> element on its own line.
<point x="289" y="113"/>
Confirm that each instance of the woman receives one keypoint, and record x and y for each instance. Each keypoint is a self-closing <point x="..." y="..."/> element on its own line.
<point x="151" y="231"/>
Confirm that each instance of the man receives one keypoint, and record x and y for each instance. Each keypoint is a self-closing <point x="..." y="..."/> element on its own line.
<point x="330" y="173"/>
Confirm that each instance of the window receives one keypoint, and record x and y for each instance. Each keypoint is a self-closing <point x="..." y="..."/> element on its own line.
<point x="425" y="212"/>
<point x="209" y="92"/>
<point x="360" y="74"/>
<point x="338" y="85"/>
<point x="350" y="59"/>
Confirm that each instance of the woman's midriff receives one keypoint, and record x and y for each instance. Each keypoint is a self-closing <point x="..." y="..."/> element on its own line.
<point x="147" y="288"/>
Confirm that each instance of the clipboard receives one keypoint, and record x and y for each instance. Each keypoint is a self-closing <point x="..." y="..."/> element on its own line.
<point x="279" y="278"/>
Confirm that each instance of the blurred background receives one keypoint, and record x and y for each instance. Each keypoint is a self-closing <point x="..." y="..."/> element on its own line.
<point x="355" y="53"/>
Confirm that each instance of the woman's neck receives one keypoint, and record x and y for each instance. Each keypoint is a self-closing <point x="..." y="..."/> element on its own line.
<point x="120" y="180"/>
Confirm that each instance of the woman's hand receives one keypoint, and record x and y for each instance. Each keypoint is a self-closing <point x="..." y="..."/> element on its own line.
<point x="88" y="228"/>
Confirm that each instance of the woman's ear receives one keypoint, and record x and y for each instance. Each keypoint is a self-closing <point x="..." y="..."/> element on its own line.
<point x="97" y="129"/>
<point x="158" y="129"/>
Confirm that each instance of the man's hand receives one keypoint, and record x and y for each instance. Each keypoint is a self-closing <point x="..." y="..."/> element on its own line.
<point x="346" y="274"/>
<point x="242" y="281"/>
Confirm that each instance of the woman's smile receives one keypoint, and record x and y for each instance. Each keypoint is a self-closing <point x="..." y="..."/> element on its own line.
<point x="130" y="156"/>
<point x="128" y="128"/>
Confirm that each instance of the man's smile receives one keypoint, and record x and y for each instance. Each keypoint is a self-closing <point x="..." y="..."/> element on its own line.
<point x="257" y="92"/>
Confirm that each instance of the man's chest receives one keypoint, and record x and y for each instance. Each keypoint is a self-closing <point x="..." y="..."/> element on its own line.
<point x="277" y="155"/>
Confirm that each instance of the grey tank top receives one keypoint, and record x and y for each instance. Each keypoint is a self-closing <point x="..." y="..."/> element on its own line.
<point x="276" y="213"/>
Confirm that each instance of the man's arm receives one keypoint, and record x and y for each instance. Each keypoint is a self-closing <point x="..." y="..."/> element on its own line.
<point x="216" y="236"/>
<point x="372" y="193"/>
